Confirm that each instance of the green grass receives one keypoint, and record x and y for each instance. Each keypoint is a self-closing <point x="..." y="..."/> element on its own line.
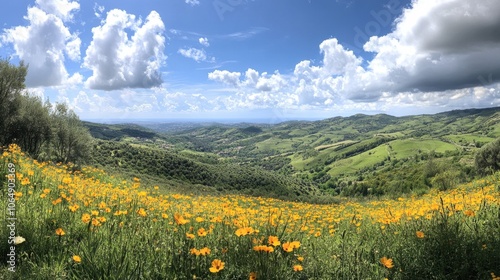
<point x="334" y="145"/>
<point x="441" y="235"/>
<point x="466" y="139"/>
<point x="409" y="147"/>
<point x="358" y="162"/>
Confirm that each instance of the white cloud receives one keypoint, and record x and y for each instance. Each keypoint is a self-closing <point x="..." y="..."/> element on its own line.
<point x="439" y="53"/>
<point x="44" y="43"/>
<point x="98" y="10"/>
<point x="192" y="2"/>
<point x="204" y="41"/>
<point x="226" y="77"/>
<point x="439" y="45"/>
<point x="243" y="35"/>
<point x="119" y="62"/>
<point x="60" y="8"/>
<point x="336" y="59"/>
<point x="269" y="83"/>
<point x="193" y="53"/>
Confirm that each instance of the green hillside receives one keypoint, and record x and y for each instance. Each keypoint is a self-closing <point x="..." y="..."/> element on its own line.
<point x="196" y="172"/>
<point x="343" y="153"/>
<point x="356" y="155"/>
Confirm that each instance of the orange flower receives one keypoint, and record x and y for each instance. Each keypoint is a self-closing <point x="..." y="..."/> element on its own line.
<point x="25" y="181"/>
<point x="189" y="235"/>
<point x="387" y="262"/>
<point x="469" y="213"/>
<point x="245" y="231"/>
<point x="202" y="232"/>
<point x="179" y="219"/>
<point x="273" y="240"/>
<point x="86" y="218"/>
<point x="420" y="234"/>
<point x="253" y="276"/>
<point x="263" y="248"/>
<point x="60" y="232"/>
<point x="141" y="212"/>
<point x="18" y="195"/>
<point x="194" y="251"/>
<point x="287" y="247"/>
<point x="56" y="201"/>
<point x="73" y="207"/>
<point x="77" y="259"/>
<point x="297" y="267"/>
<point x="96" y="222"/>
<point x="295" y="244"/>
<point x="217" y="265"/>
<point x="205" y="251"/>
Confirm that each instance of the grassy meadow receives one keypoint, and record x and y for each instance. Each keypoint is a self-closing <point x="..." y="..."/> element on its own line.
<point x="89" y="225"/>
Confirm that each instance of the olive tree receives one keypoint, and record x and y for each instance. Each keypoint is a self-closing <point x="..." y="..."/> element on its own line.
<point x="11" y="86"/>
<point x="488" y="157"/>
<point x="71" y="141"/>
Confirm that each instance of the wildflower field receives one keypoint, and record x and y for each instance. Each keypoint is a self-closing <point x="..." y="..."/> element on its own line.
<point x="89" y="225"/>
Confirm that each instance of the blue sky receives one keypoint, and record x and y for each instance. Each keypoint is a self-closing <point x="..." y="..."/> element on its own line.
<point x="255" y="59"/>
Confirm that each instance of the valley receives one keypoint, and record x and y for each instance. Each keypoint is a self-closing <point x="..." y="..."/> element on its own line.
<point x="349" y="156"/>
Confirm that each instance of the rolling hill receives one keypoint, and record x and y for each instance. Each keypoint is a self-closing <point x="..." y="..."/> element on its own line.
<point x="356" y="155"/>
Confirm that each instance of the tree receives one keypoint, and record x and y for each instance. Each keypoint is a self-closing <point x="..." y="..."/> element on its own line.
<point x="71" y="141"/>
<point x="31" y="125"/>
<point x="11" y="86"/>
<point x="488" y="157"/>
<point x="446" y="180"/>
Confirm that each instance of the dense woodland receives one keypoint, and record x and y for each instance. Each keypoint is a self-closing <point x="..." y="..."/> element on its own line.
<point x="359" y="155"/>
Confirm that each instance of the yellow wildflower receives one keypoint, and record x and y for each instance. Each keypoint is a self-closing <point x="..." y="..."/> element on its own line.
<point x="217" y="265"/>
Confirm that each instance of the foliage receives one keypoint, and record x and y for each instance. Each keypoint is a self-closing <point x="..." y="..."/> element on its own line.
<point x="71" y="141"/>
<point x="88" y="225"/>
<point x="488" y="157"/>
<point x="31" y="127"/>
<point x="40" y="131"/>
<point x="11" y="86"/>
<point x="118" y="132"/>
<point x="218" y="175"/>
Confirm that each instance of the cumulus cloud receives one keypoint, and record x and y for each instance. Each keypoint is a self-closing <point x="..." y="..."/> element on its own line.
<point x="226" y="77"/>
<point x="439" y="52"/>
<point x="439" y="45"/>
<point x="45" y="42"/>
<point x="60" y="8"/>
<point x="204" y="41"/>
<point x="118" y="62"/>
<point x="193" y="53"/>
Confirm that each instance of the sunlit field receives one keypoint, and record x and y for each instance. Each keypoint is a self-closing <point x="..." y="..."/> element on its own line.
<point x="89" y="225"/>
